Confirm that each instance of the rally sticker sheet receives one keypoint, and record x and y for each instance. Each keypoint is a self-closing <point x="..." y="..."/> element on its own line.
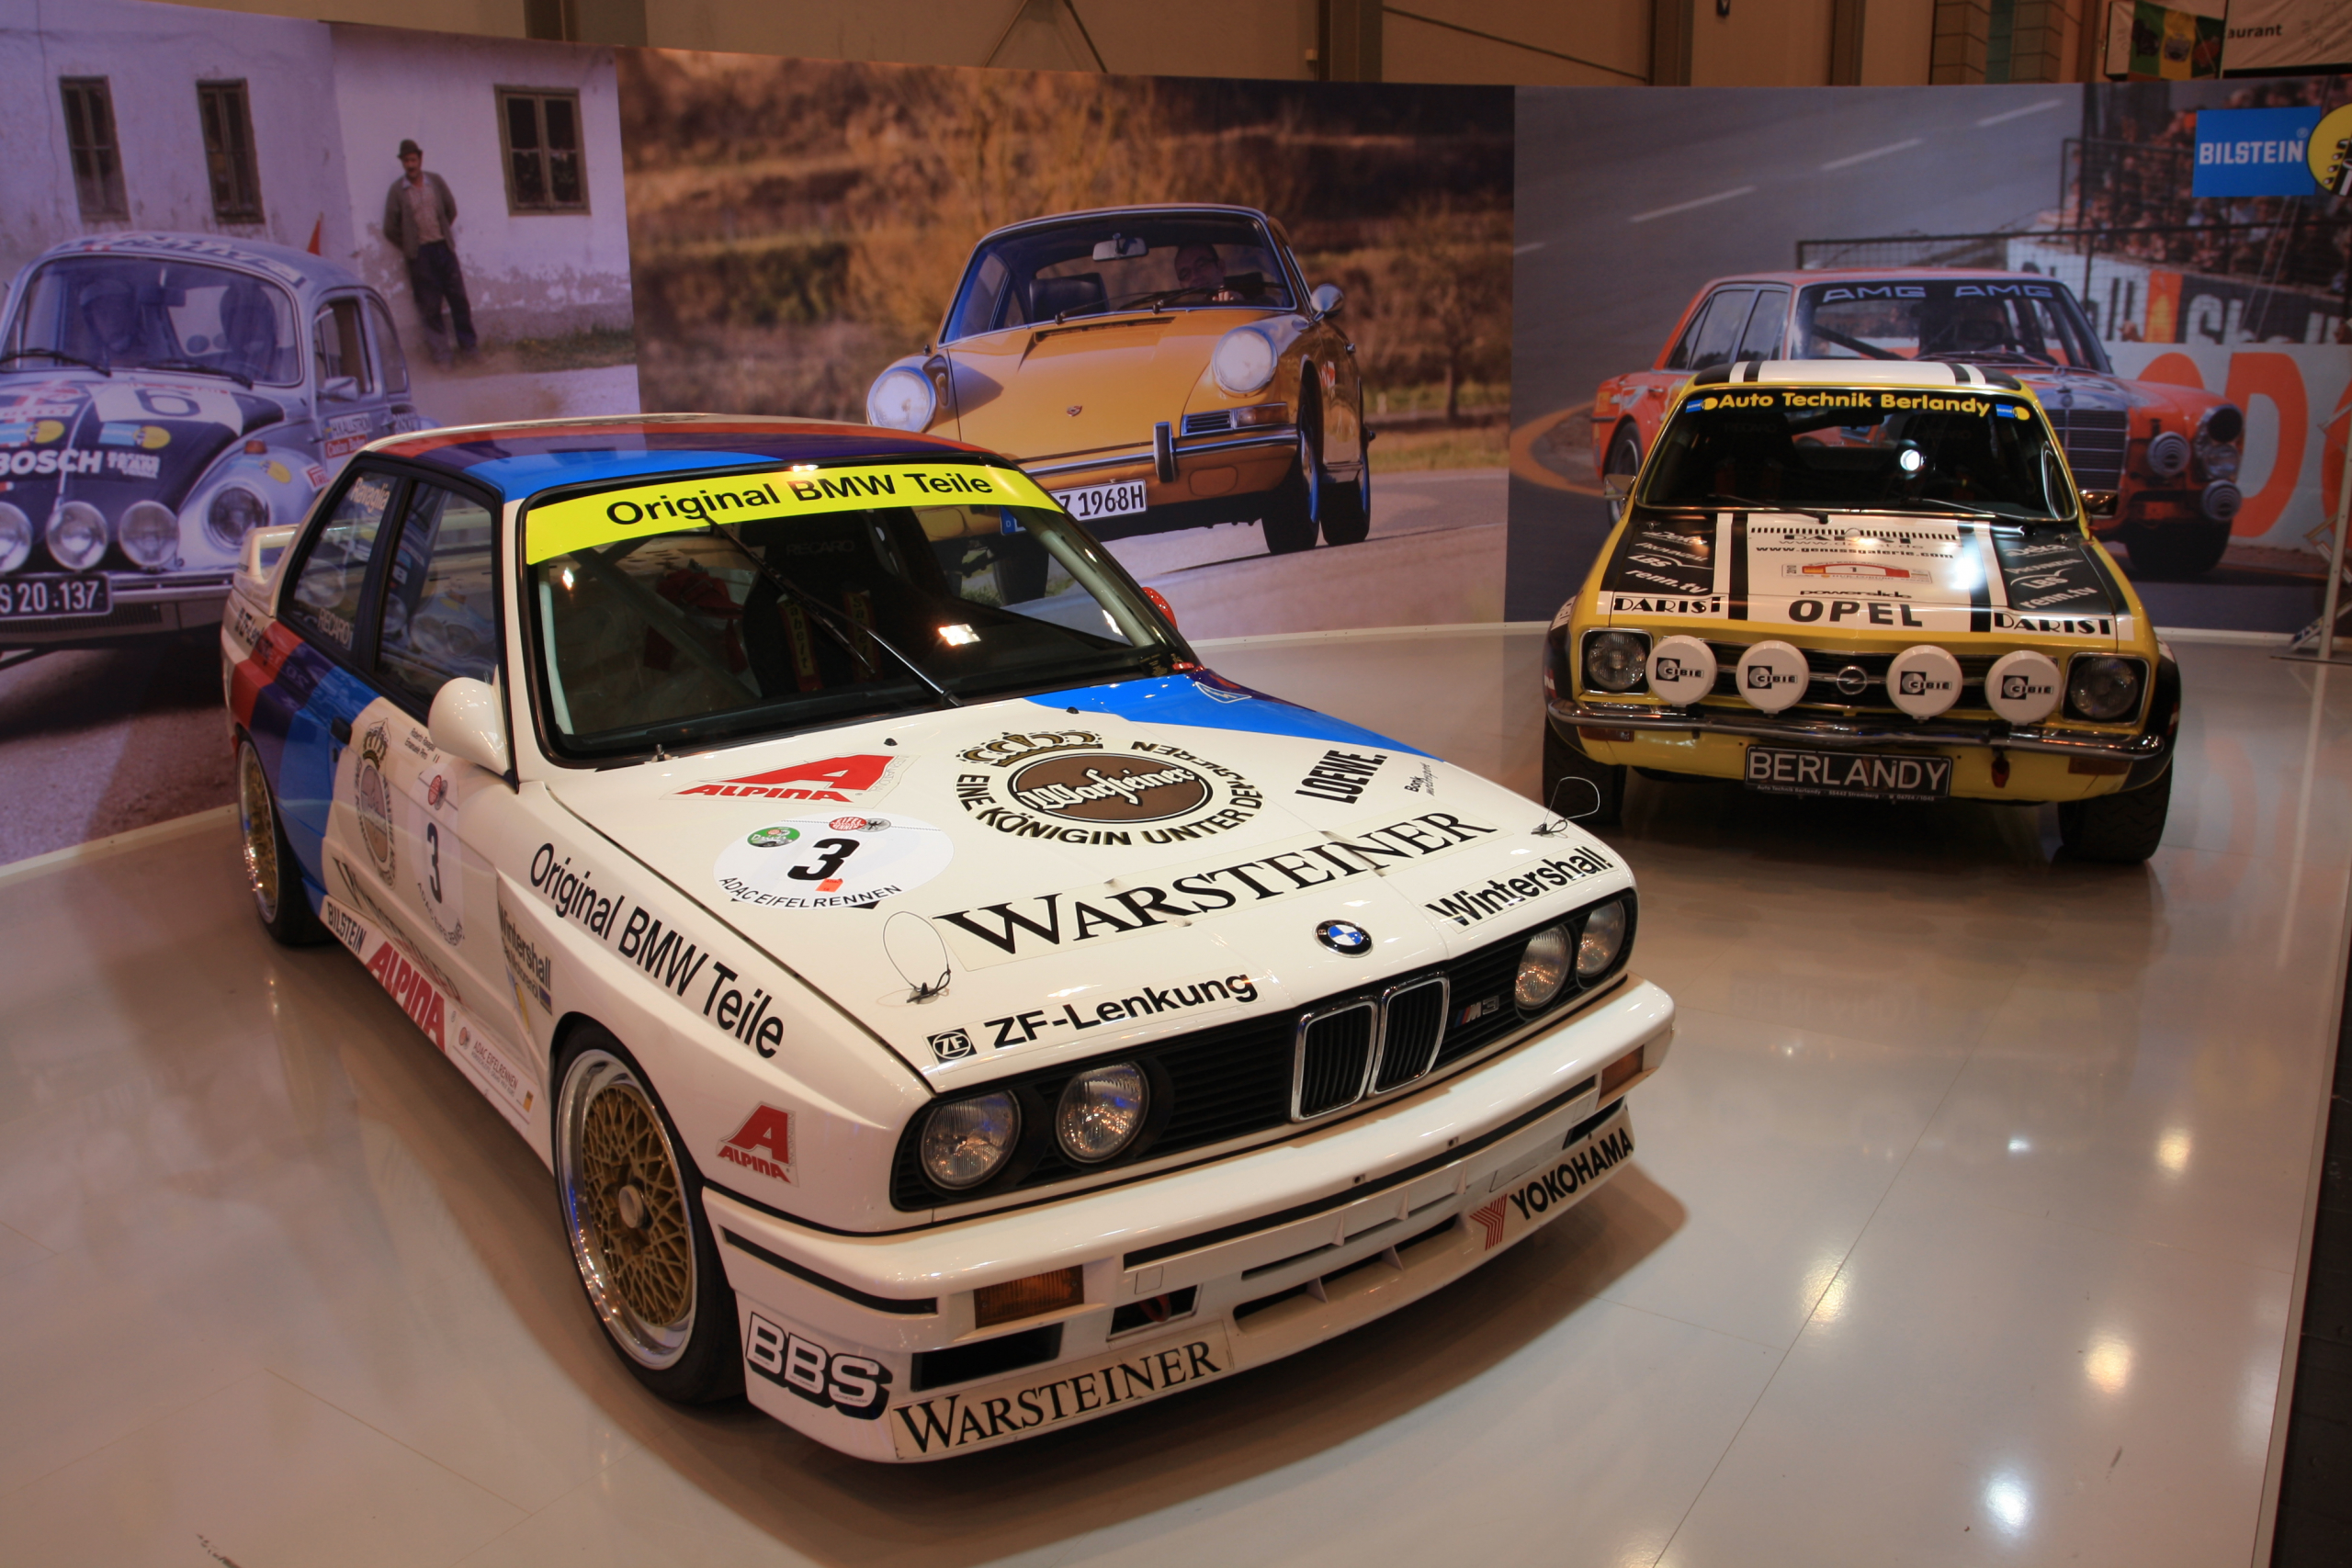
<point x="1932" y="574"/>
<point x="832" y="863"/>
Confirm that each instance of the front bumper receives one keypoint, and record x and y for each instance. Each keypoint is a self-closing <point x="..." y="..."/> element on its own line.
<point x="1197" y="471"/>
<point x="869" y="1344"/>
<point x="144" y="604"/>
<point x="2151" y="745"/>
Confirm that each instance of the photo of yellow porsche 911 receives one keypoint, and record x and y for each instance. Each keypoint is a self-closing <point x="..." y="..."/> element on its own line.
<point x="1154" y="368"/>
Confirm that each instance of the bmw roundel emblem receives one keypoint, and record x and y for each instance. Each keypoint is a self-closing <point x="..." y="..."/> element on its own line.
<point x="1344" y="936"/>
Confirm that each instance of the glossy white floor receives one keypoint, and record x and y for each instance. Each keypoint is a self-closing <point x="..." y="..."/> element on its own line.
<point x="1962" y="1230"/>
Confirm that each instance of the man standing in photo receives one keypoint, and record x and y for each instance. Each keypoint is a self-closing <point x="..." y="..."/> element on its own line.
<point x="419" y="213"/>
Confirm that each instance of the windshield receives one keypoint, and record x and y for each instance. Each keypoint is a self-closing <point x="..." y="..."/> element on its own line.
<point x="1119" y="262"/>
<point x="1981" y="321"/>
<point x="1866" y="449"/>
<point x="757" y="602"/>
<point x="126" y="312"/>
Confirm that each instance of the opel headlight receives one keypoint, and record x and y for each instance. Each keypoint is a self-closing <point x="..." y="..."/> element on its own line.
<point x="1244" y="361"/>
<point x="150" y="534"/>
<point x="1542" y="969"/>
<point x="77" y="535"/>
<point x="1614" y="662"/>
<point x="902" y="398"/>
<point x="1603" y="940"/>
<point x="15" y="536"/>
<point x="235" y="512"/>
<point x="965" y="1142"/>
<point x="1101" y="1112"/>
<point x="2102" y="687"/>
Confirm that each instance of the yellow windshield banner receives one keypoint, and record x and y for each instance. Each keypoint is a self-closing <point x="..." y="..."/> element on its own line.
<point x="560" y="527"/>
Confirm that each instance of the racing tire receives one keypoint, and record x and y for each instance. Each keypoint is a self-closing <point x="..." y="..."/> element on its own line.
<point x="2177" y="552"/>
<point x="1624" y="458"/>
<point x="2117" y="830"/>
<point x="271" y="869"/>
<point x="1562" y="763"/>
<point x="1299" y="501"/>
<point x="1348" y="518"/>
<point x="632" y="1203"/>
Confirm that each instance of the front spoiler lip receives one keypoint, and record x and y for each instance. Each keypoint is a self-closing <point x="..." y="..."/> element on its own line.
<point x="1850" y="733"/>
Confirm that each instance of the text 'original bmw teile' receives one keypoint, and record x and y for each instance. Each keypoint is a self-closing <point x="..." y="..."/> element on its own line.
<point x="950" y="1011"/>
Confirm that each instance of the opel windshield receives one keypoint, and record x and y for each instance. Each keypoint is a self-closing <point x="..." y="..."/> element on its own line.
<point x="1861" y="449"/>
<point x="751" y="602"/>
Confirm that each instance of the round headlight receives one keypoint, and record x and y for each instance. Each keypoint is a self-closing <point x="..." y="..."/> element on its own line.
<point x="1603" y="940"/>
<point x="1244" y="361"/>
<point x="77" y="535"/>
<point x="150" y="534"/>
<point x="2102" y="686"/>
<point x="2223" y="423"/>
<point x="15" y="536"/>
<point x="900" y="398"/>
<point x="965" y="1142"/>
<point x="235" y="512"/>
<point x="1614" y="660"/>
<point x="1542" y="969"/>
<point x="1101" y="1112"/>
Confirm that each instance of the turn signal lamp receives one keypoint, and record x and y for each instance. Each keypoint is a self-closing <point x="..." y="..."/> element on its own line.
<point x="1037" y="1295"/>
<point x="1619" y="1073"/>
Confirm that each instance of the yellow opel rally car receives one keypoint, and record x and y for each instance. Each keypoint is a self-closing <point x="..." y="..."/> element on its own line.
<point x="1871" y="582"/>
<point x="1153" y="367"/>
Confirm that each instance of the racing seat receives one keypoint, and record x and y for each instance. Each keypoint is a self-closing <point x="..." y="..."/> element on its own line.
<point x="1060" y="296"/>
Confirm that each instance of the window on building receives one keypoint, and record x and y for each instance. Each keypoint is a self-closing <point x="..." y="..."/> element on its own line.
<point x="541" y="134"/>
<point x="89" y="135"/>
<point x="229" y="150"/>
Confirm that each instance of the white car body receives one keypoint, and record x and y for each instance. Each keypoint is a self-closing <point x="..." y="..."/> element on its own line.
<point x="793" y="1038"/>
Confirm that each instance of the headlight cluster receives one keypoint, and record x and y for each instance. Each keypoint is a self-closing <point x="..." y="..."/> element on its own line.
<point x="1581" y="949"/>
<point x="1244" y="361"/>
<point x="902" y="398"/>
<point x="2103" y="687"/>
<point x="1099" y="1115"/>
<point x="2219" y="435"/>
<point x="1615" y="662"/>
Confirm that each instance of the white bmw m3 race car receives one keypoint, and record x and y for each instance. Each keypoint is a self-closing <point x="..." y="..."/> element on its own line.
<point x="949" y="1011"/>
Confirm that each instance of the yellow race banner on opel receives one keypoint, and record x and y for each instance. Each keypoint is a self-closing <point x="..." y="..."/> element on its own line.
<point x="560" y="527"/>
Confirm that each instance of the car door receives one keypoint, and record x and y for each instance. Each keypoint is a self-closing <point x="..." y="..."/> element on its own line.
<point x="352" y="407"/>
<point x="436" y="620"/>
<point x="302" y="721"/>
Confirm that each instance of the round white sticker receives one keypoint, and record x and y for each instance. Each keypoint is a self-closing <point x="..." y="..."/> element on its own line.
<point x="1773" y="676"/>
<point x="843" y="862"/>
<point x="1682" y="668"/>
<point x="2022" y="687"/>
<point x="1923" y="680"/>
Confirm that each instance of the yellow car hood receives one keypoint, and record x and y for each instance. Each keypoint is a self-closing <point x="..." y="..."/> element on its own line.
<point x="1042" y="393"/>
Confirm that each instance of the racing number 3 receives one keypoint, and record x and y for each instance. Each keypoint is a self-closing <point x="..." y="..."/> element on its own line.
<point x="834" y="851"/>
<point x="433" y="858"/>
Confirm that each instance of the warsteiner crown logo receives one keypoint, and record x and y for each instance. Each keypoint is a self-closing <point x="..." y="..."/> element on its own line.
<point x="1007" y="749"/>
<point x="374" y="801"/>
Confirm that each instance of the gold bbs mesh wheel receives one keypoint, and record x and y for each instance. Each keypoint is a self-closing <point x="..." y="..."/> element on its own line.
<point x="625" y="1208"/>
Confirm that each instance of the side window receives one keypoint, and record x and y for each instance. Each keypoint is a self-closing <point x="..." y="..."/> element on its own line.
<point x="342" y="350"/>
<point x="1762" y="339"/>
<point x="325" y="597"/>
<point x="439" y="596"/>
<point x="389" y="360"/>
<point x="1718" y="336"/>
<point x="1688" y="343"/>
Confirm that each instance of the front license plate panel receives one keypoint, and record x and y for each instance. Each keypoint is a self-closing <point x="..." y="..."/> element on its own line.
<point x="1848" y="775"/>
<point x="54" y="595"/>
<point x="1049" y="1396"/>
<point x="1121" y="499"/>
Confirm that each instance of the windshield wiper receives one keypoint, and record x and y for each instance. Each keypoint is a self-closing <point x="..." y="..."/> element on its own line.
<point x="238" y="376"/>
<point x="831" y="618"/>
<point x="1984" y="511"/>
<point x="1743" y="502"/>
<point x="57" y="354"/>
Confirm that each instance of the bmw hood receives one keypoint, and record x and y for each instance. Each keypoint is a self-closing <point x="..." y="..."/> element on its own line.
<point x="1066" y="875"/>
<point x="113" y="440"/>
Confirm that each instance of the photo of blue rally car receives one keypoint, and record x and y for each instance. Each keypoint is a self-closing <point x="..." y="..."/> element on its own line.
<point x="162" y="396"/>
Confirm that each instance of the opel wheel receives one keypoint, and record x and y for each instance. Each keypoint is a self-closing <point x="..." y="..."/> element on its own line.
<point x="271" y="869"/>
<point x="632" y="1210"/>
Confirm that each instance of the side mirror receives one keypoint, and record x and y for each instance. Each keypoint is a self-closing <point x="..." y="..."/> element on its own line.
<point x="2101" y="503"/>
<point x="468" y="721"/>
<point x="1327" y="299"/>
<point x="1617" y="487"/>
<point x="339" y="389"/>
